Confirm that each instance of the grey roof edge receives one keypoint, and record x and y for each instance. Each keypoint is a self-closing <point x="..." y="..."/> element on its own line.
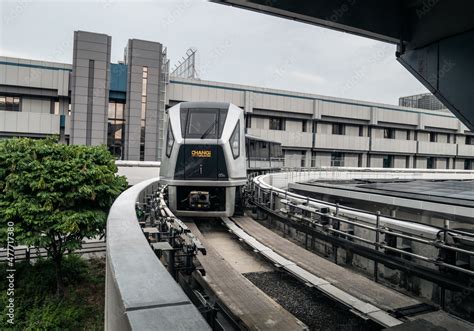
<point x="205" y="104"/>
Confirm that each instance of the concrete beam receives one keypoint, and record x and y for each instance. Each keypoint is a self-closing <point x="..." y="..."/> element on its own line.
<point x="140" y="293"/>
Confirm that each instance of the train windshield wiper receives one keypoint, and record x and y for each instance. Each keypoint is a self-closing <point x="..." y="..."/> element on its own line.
<point x="208" y="130"/>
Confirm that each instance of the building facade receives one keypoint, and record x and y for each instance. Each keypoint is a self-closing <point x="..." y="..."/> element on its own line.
<point x="319" y="131"/>
<point x="123" y="105"/>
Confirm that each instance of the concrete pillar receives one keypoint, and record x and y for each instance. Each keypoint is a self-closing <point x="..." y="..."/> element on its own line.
<point x="144" y="61"/>
<point x="90" y="88"/>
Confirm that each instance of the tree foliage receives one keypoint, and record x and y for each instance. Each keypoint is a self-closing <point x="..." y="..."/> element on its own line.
<point x="56" y="195"/>
<point x="37" y="307"/>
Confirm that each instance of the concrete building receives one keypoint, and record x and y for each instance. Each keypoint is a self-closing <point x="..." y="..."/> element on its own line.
<point x="92" y="101"/>
<point x="123" y="105"/>
<point x="324" y="131"/>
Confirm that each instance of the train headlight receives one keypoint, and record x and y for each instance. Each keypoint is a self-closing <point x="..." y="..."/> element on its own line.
<point x="235" y="141"/>
<point x="169" y="141"/>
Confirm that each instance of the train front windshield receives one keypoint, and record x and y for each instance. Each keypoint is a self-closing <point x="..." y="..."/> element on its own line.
<point x="199" y="160"/>
<point x="202" y="123"/>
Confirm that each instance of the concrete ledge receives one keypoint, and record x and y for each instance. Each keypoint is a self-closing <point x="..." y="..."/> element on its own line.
<point x="139" y="290"/>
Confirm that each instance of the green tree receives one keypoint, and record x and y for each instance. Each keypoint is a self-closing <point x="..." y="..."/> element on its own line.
<point x="56" y="195"/>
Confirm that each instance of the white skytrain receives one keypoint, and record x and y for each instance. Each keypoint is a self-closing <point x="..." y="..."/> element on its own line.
<point x="204" y="162"/>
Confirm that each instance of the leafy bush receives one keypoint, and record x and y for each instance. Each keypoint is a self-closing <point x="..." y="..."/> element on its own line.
<point x="55" y="195"/>
<point x="36" y="306"/>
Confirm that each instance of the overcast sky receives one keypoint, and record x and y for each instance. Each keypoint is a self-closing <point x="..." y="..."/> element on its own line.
<point x="234" y="45"/>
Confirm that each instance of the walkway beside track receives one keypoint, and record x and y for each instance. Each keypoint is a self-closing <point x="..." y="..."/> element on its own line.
<point x="251" y="308"/>
<point x="344" y="282"/>
<point x="349" y="281"/>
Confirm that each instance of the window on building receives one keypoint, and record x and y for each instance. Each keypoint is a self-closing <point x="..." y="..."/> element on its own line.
<point x="447" y="163"/>
<point x="359" y="160"/>
<point x="277" y="123"/>
<point x="313" y="159"/>
<point x="337" y="159"/>
<point x="303" y="159"/>
<point x="407" y="162"/>
<point x="304" y="126"/>
<point x="9" y="103"/>
<point x="116" y="128"/>
<point x="469" y="140"/>
<point x="143" y="112"/>
<point x="338" y="128"/>
<point x="388" y="161"/>
<point x="431" y="163"/>
<point x="433" y="137"/>
<point x="468" y="164"/>
<point x="408" y="135"/>
<point x="275" y="151"/>
<point x="448" y="138"/>
<point x="389" y="133"/>
<point x="361" y="130"/>
<point x="56" y="108"/>
<point x="248" y="121"/>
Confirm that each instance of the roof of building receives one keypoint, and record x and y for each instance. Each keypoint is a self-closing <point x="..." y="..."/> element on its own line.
<point x="452" y="192"/>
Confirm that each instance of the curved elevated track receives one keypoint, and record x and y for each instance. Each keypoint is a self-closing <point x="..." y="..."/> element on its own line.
<point x="249" y="307"/>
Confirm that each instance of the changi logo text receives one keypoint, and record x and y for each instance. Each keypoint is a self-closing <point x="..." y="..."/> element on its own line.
<point x="201" y="153"/>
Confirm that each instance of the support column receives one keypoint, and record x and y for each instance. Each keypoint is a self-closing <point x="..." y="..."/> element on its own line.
<point x="90" y="88"/>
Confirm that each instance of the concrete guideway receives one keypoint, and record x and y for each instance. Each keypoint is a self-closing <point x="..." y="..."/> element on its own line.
<point x="140" y="293"/>
<point x="354" y="291"/>
<point x="364" y="297"/>
<point x="252" y="308"/>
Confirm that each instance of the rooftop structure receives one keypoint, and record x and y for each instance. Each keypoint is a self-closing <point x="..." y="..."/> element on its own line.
<point x="422" y="101"/>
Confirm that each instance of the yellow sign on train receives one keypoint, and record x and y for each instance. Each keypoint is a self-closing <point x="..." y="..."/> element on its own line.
<point x="201" y="153"/>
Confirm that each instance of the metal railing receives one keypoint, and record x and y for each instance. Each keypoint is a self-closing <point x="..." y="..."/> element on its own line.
<point x="328" y="217"/>
<point x="23" y="253"/>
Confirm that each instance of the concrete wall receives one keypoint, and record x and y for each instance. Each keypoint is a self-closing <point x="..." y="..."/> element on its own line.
<point x="35" y="74"/>
<point x="421" y="162"/>
<point x="341" y="142"/>
<point x="38" y="85"/>
<point x="286" y="138"/>
<point x="321" y="159"/>
<point x="401" y="162"/>
<point x="29" y="105"/>
<point x="293" y="158"/>
<point x="351" y="160"/>
<point x="30" y="123"/>
<point x="376" y="161"/>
